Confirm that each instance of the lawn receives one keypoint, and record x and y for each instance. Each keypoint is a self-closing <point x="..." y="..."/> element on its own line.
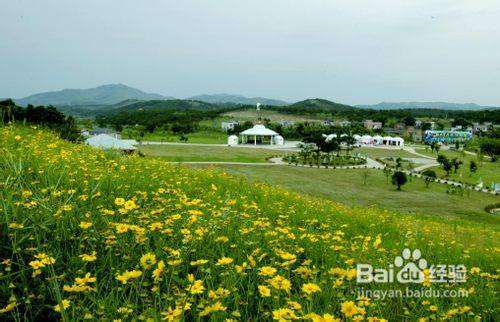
<point x="252" y="115"/>
<point x="347" y="187"/>
<point x="191" y="153"/>
<point x="383" y="153"/>
<point x="487" y="171"/>
<point x="205" y="137"/>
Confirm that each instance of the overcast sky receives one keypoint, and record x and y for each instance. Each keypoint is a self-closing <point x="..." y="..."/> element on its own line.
<point x="347" y="51"/>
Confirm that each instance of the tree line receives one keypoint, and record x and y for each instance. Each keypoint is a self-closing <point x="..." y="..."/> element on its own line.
<point x="47" y="116"/>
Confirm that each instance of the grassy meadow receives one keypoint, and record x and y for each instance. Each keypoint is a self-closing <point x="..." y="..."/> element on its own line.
<point x="88" y="234"/>
<point x="195" y="153"/>
<point x="375" y="153"/>
<point x="347" y="186"/>
<point x="203" y="136"/>
<point x="487" y="171"/>
<point x="252" y="115"/>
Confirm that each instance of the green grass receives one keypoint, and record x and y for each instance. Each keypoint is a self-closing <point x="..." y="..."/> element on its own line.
<point x="487" y="171"/>
<point x="190" y="153"/>
<point x="347" y="187"/>
<point x="252" y="115"/>
<point x="384" y="153"/>
<point x="216" y="235"/>
<point x="205" y="137"/>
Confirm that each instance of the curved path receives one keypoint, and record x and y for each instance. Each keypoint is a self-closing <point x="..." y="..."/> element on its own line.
<point x="277" y="161"/>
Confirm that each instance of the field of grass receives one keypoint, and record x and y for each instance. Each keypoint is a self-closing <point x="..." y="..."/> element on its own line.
<point x="487" y="171"/>
<point x="185" y="153"/>
<point x="251" y="115"/>
<point x="347" y="187"/>
<point x="205" y="137"/>
<point x="92" y="235"/>
<point x="383" y="153"/>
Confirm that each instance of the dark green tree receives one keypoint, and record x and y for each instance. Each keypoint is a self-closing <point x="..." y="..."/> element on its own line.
<point x="429" y="176"/>
<point x="398" y="179"/>
<point x="472" y="167"/>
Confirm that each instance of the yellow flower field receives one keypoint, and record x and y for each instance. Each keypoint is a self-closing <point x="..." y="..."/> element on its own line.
<point x="88" y="234"/>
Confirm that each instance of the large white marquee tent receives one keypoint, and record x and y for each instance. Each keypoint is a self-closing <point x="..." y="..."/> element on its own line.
<point x="259" y="133"/>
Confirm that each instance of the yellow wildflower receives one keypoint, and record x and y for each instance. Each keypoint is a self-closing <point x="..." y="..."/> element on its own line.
<point x="62" y="306"/>
<point x="85" y="225"/>
<point x="147" y="260"/>
<point x="264" y="291"/>
<point x="310" y="288"/>
<point x="128" y="275"/>
<point x="267" y="271"/>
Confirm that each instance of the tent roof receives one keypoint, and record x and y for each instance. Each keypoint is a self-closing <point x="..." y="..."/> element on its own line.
<point x="259" y="129"/>
<point x="105" y="141"/>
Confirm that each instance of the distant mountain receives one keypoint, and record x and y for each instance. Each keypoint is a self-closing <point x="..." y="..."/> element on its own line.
<point x="318" y="104"/>
<point x="428" y="105"/>
<point x="101" y="95"/>
<point x="237" y="99"/>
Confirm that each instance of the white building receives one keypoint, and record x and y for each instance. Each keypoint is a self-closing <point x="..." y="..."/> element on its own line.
<point x="226" y="126"/>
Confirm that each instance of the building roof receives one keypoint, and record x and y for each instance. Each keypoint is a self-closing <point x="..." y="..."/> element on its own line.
<point x="105" y="141"/>
<point x="259" y="129"/>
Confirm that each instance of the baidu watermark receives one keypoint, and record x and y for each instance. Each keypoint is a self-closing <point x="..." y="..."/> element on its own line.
<point x="411" y="269"/>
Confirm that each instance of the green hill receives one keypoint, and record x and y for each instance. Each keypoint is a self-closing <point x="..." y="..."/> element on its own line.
<point x="173" y="104"/>
<point x="95" y="235"/>
<point x="318" y="104"/>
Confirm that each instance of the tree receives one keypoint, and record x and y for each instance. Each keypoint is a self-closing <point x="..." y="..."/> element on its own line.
<point x="456" y="164"/>
<point x="399" y="179"/>
<point x="429" y="176"/>
<point x="349" y="142"/>
<point x="318" y="141"/>
<point x="490" y="147"/>
<point x="426" y="126"/>
<point x="409" y="121"/>
<point x="472" y="167"/>
<point x="306" y="149"/>
<point x="399" y="163"/>
<point x="445" y="163"/>
<point x="387" y="172"/>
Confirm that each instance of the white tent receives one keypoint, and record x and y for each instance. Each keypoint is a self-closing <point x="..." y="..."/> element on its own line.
<point x="105" y="141"/>
<point x="232" y="140"/>
<point x="366" y="139"/>
<point x="399" y="141"/>
<point x="329" y="137"/>
<point x="260" y="132"/>
<point x="386" y="140"/>
<point x="377" y="139"/>
<point x="279" y="140"/>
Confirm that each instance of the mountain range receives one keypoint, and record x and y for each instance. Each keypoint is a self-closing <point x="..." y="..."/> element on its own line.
<point x="237" y="99"/>
<point x="94" y="98"/>
<point x="427" y="105"/>
<point x="105" y="96"/>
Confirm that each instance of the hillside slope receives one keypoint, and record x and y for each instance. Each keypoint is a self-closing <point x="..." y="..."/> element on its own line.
<point x="91" y="234"/>
<point x="318" y="105"/>
<point x="237" y="99"/>
<point x="101" y="95"/>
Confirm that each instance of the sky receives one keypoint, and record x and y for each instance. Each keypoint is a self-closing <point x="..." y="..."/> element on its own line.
<point x="354" y="52"/>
